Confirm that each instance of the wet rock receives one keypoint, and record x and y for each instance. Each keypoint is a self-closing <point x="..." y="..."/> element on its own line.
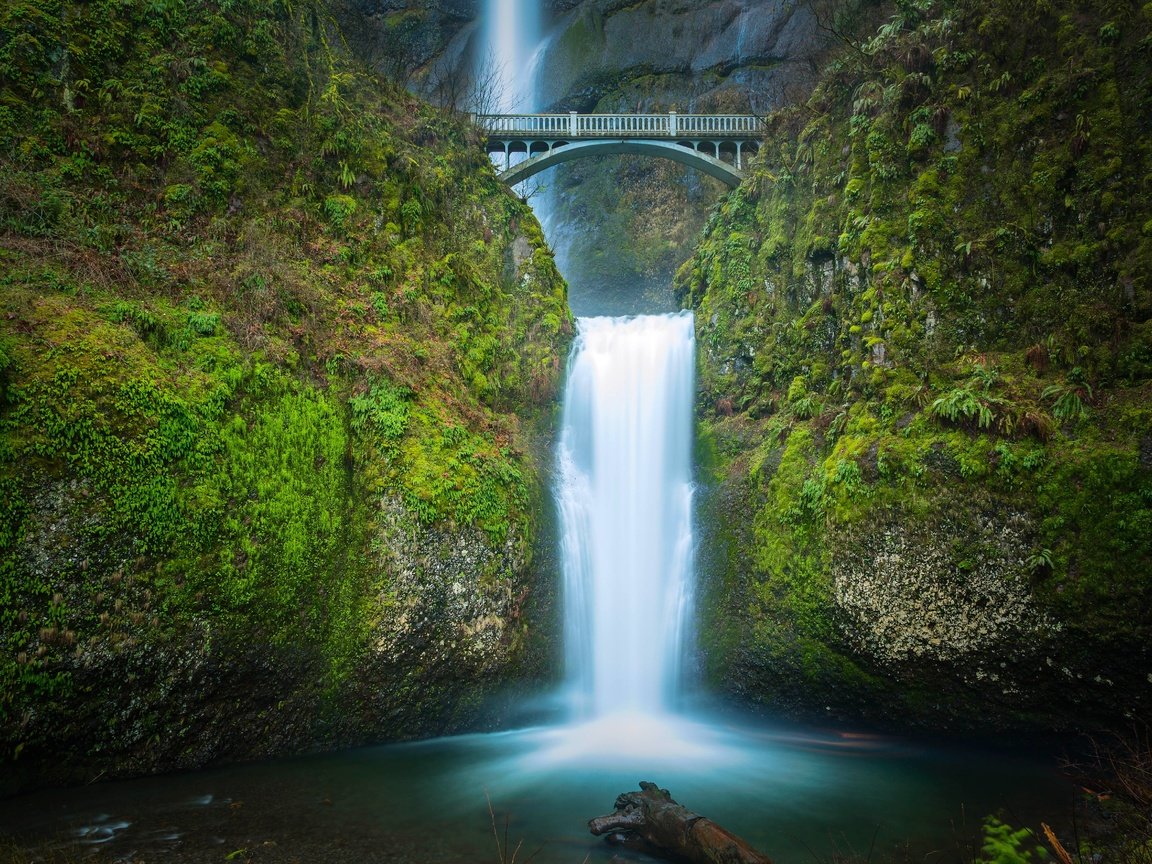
<point x="904" y="597"/>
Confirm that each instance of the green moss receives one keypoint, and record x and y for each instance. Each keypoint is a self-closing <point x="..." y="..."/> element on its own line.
<point x="250" y="293"/>
<point x="977" y="326"/>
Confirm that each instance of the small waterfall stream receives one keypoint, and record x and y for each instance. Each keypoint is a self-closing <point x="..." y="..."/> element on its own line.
<point x="509" y="36"/>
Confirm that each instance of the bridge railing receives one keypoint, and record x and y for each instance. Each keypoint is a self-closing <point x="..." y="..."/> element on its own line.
<point x="574" y="125"/>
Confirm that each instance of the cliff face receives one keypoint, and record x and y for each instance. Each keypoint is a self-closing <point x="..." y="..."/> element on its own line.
<point x="718" y="50"/>
<point x="277" y="360"/>
<point x="927" y="352"/>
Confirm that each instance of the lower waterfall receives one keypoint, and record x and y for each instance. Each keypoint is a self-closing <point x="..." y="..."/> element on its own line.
<point x="624" y="496"/>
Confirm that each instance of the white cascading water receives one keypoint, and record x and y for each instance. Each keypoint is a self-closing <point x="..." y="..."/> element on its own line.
<point x="625" y="502"/>
<point x="504" y="58"/>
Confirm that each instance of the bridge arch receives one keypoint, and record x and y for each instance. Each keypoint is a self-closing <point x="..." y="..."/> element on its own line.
<point x="710" y="165"/>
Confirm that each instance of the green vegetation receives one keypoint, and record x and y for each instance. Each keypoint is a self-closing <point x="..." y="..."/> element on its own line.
<point x="925" y="328"/>
<point x="1003" y="845"/>
<point x="251" y="296"/>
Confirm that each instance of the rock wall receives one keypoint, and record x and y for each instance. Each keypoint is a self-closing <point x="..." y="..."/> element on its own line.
<point x="902" y="599"/>
<point x="924" y="328"/>
<point x="722" y="51"/>
<point x="278" y="356"/>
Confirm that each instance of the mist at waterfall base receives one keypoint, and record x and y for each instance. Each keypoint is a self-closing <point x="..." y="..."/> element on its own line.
<point x="624" y="499"/>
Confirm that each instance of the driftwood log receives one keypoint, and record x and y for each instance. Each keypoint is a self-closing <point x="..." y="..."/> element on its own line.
<point x="652" y="821"/>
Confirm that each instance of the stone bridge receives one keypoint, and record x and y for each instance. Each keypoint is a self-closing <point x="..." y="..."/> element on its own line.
<point x="716" y="144"/>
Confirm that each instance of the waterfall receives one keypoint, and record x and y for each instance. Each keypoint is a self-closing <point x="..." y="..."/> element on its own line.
<point x="625" y="502"/>
<point x="504" y="60"/>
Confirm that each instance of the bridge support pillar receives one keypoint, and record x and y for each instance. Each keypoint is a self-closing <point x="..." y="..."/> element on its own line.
<point x="672" y="123"/>
<point x="572" y="124"/>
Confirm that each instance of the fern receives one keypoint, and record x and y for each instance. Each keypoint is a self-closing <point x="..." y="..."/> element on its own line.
<point x="203" y="323"/>
<point x="1002" y="845"/>
<point x="1068" y="404"/>
<point x="974" y="404"/>
<point x="347" y="175"/>
<point x="962" y="406"/>
<point x="384" y="409"/>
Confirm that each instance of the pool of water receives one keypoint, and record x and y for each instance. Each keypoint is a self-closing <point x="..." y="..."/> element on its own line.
<point x="797" y="794"/>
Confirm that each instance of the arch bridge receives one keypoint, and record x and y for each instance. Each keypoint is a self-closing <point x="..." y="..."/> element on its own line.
<point x="716" y="144"/>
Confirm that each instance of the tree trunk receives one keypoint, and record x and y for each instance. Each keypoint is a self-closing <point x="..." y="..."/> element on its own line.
<point x="652" y="819"/>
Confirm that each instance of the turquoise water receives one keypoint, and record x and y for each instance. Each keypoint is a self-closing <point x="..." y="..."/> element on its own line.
<point x="798" y="794"/>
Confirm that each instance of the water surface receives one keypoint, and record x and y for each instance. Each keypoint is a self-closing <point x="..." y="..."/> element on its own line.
<point x="800" y="795"/>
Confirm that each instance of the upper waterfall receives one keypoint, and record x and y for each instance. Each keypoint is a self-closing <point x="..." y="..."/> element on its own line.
<point x="504" y="61"/>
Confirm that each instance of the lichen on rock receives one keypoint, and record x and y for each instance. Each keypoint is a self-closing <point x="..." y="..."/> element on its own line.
<point x="904" y="597"/>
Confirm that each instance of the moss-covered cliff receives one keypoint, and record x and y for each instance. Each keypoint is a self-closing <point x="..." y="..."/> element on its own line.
<point x="927" y="368"/>
<point x="277" y="360"/>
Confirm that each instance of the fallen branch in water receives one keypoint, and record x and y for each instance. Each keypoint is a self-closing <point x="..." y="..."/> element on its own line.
<point x="650" y="820"/>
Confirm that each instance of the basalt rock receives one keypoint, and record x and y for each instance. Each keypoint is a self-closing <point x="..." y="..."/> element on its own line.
<point x="933" y="482"/>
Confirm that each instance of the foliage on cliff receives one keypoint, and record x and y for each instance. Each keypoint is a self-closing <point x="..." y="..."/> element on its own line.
<point x="927" y="329"/>
<point x="262" y="313"/>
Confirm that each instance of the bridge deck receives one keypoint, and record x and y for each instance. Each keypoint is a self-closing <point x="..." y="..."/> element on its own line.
<point x="730" y="127"/>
